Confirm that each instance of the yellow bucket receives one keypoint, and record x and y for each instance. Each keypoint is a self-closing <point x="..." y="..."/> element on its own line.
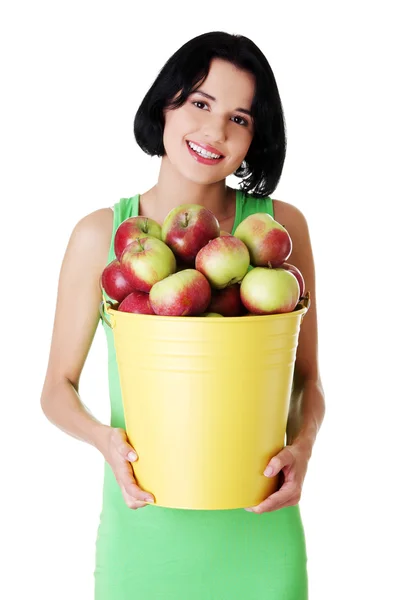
<point x="206" y="402"/>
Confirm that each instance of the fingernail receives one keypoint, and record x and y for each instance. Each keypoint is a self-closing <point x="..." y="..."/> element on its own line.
<point x="132" y="456"/>
<point x="249" y="509"/>
<point x="149" y="500"/>
<point x="268" y="471"/>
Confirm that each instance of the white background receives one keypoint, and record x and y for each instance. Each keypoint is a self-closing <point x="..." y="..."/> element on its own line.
<point x="72" y="76"/>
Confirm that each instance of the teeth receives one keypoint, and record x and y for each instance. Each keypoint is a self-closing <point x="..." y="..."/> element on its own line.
<point x="203" y="152"/>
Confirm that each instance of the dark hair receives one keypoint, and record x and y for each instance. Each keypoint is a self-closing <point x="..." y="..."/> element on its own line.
<point x="186" y="70"/>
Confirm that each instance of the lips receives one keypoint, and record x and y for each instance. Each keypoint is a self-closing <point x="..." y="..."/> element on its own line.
<point x="204" y="160"/>
<point x="206" y="147"/>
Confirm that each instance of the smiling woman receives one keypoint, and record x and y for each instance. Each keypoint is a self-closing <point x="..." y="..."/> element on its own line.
<point x="247" y="95"/>
<point x="214" y="110"/>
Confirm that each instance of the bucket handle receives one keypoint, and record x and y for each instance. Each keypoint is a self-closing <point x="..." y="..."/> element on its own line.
<point x="305" y="302"/>
<point x="103" y="310"/>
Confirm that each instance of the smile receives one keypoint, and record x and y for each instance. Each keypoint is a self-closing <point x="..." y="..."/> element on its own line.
<point x="202" y="155"/>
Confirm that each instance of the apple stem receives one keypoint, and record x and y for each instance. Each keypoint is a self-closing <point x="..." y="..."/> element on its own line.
<point x="186" y="219"/>
<point x="146" y="225"/>
<point x="269" y="265"/>
<point x="140" y="244"/>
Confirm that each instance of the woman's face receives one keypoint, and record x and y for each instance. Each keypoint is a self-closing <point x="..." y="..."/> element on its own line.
<point x="208" y="137"/>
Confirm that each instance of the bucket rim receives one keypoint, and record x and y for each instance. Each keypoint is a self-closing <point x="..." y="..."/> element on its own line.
<point x="300" y="310"/>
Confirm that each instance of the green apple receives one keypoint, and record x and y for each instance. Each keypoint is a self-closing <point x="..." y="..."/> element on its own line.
<point x="266" y="291"/>
<point x="146" y="261"/>
<point x="224" y="261"/>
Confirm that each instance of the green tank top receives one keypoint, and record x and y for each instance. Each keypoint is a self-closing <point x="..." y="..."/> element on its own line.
<point x="174" y="554"/>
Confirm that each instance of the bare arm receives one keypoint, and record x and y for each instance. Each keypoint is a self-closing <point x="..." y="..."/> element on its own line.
<point x="75" y="323"/>
<point x="307" y="407"/>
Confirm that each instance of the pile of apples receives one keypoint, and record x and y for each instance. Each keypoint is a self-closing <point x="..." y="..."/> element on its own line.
<point x="188" y="266"/>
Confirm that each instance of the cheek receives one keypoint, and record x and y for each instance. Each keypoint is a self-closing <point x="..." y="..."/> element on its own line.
<point x="178" y="123"/>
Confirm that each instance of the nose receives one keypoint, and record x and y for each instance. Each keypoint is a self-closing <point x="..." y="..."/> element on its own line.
<point x="215" y="128"/>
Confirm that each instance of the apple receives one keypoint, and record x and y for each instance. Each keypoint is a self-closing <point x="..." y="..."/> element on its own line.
<point x="266" y="291"/>
<point x="297" y="274"/>
<point x="187" y="228"/>
<point x="114" y="281"/>
<point x="182" y="294"/>
<point x="268" y="241"/>
<point x="210" y="314"/>
<point x="223" y="232"/>
<point x="223" y="261"/>
<point x="137" y="302"/>
<point x="227" y="301"/>
<point x="146" y="261"/>
<point x="133" y="228"/>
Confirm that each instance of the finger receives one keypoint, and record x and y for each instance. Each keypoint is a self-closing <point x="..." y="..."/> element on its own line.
<point x="132" y="488"/>
<point x="276" y="464"/>
<point x="135" y="493"/>
<point x="127" y="452"/>
<point x="128" y="481"/>
<point x="123" y="446"/>
<point x="132" y="502"/>
<point x="288" y="495"/>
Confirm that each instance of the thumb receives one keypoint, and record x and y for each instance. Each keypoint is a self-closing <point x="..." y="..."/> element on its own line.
<point x="124" y="447"/>
<point x="282" y="459"/>
<point x="132" y="456"/>
<point x="128" y="452"/>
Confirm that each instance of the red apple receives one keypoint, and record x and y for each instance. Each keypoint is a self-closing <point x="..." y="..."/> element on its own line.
<point x="267" y="291"/>
<point x="227" y="301"/>
<point x="187" y="228"/>
<point x="137" y="302"/>
<point x="268" y="241"/>
<point x="298" y="276"/>
<point x="115" y="282"/>
<point x="146" y="261"/>
<point x="223" y="261"/>
<point x="133" y="228"/>
<point x="182" y="294"/>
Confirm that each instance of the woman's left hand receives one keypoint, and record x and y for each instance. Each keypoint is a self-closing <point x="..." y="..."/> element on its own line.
<point x="293" y="462"/>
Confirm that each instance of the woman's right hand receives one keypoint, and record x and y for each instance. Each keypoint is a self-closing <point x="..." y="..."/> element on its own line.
<point x="119" y="454"/>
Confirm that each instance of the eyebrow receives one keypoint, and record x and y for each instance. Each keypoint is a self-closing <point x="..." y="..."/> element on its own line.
<point x="243" y="110"/>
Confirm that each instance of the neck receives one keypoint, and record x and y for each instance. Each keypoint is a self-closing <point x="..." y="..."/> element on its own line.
<point x="172" y="189"/>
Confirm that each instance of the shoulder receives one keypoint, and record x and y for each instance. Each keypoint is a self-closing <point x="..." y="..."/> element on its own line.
<point x="288" y="215"/>
<point x="294" y="222"/>
<point x="96" y="223"/>
<point x="96" y="226"/>
<point x="92" y="236"/>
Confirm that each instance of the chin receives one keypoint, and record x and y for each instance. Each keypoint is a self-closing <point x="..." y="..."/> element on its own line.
<point x="204" y="175"/>
<point x="196" y="178"/>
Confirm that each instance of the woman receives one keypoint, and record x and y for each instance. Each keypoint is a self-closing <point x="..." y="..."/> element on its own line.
<point x="214" y="100"/>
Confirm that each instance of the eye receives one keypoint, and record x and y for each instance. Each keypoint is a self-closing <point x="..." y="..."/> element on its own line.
<point x="240" y="121"/>
<point x="200" y="104"/>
